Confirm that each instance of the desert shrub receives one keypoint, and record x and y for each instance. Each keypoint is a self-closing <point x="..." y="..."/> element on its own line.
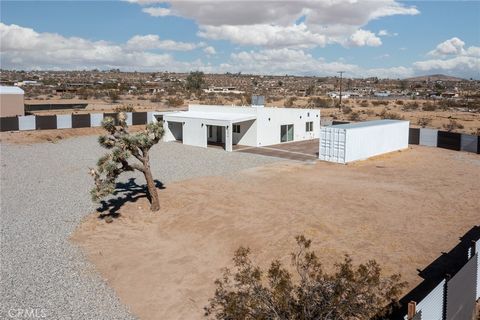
<point x="124" y="108"/>
<point x="410" y="106"/>
<point x="424" y="121"/>
<point x="290" y="101"/>
<point x="364" y="104"/>
<point x="156" y="98"/>
<point x="429" y="106"/>
<point x="141" y="98"/>
<point x="390" y="115"/>
<point x="174" y="102"/>
<point x="354" y="116"/>
<point x="67" y="95"/>
<point x="248" y="292"/>
<point x="370" y="112"/>
<point x="114" y="96"/>
<point x="346" y="109"/>
<point x="318" y="102"/>
<point x="452" y="125"/>
<point x="399" y="102"/>
<point x="379" y="103"/>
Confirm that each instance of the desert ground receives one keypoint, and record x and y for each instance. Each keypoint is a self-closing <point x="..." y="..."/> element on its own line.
<point x="403" y="209"/>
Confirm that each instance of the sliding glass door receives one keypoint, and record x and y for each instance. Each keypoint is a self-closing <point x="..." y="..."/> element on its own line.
<point x="286" y="132"/>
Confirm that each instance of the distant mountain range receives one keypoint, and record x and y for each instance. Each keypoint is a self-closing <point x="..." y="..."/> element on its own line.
<point x="435" y="77"/>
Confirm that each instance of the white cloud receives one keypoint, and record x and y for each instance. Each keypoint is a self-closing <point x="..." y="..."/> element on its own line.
<point x="24" y="48"/>
<point x="290" y="61"/>
<point x="145" y="2"/>
<point x="364" y="38"/>
<point x="453" y="46"/>
<point x="157" y="12"/>
<point x="264" y="35"/>
<point x="452" y="58"/>
<point x="209" y="50"/>
<point x="152" y="41"/>
<point x="386" y="33"/>
<point x="273" y="23"/>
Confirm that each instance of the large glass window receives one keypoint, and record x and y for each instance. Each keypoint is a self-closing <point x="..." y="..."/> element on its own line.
<point x="286" y="132"/>
<point x="309" y="126"/>
<point x="236" y="128"/>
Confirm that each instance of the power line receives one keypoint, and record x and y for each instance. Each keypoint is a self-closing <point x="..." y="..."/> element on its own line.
<point x="340" y="103"/>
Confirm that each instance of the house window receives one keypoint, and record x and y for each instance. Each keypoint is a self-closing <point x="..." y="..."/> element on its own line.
<point x="236" y="128"/>
<point x="286" y="132"/>
<point x="210" y="132"/>
<point x="309" y="126"/>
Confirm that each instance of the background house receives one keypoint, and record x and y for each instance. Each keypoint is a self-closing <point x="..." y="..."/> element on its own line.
<point x="11" y="101"/>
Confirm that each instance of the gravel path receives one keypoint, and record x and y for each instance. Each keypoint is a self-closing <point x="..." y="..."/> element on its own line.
<point x="44" y="195"/>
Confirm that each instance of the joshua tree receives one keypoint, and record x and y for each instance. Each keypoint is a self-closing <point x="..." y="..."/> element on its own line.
<point x="122" y="146"/>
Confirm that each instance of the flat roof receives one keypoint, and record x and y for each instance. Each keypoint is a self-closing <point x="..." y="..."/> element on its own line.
<point x="10" y="90"/>
<point x="219" y="116"/>
<point x="367" y="124"/>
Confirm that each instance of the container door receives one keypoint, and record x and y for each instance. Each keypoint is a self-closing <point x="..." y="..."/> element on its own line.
<point x="332" y="145"/>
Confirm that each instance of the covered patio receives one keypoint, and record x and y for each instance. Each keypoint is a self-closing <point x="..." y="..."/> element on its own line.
<point x="198" y="128"/>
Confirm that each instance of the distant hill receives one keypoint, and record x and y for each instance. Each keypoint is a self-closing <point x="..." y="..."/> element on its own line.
<point x="435" y="77"/>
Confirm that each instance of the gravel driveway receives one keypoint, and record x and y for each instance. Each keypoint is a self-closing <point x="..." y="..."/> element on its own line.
<point x="44" y="195"/>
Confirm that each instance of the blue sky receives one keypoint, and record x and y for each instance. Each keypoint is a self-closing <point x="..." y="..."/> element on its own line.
<point x="384" y="38"/>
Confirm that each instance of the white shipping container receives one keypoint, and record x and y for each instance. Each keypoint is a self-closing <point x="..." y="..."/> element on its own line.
<point x="358" y="141"/>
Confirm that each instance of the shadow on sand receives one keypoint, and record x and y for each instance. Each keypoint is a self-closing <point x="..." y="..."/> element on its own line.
<point x="124" y="192"/>
<point x="445" y="266"/>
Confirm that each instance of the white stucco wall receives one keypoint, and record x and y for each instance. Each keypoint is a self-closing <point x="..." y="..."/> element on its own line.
<point x="270" y="120"/>
<point x="247" y="135"/>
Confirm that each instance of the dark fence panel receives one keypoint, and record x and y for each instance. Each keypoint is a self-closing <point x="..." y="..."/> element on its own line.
<point x="334" y="122"/>
<point x="9" y="124"/>
<point x="80" y="120"/>
<point x="45" y="122"/>
<point x="414" y="136"/>
<point x="139" y="118"/>
<point x="48" y="106"/>
<point x="461" y="292"/>
<point x="449" y="140"/>
<point x="111" y="115"/>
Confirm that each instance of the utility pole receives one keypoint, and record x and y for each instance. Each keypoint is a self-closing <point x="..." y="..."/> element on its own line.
<point x="340" y="103"/>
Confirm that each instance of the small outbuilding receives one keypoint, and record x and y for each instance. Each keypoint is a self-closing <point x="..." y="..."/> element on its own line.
<point x="11" y="101"/>
<point x="359" y="141"/>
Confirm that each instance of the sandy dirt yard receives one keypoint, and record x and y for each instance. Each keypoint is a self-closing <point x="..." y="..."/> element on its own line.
<point x="402" y="209"/>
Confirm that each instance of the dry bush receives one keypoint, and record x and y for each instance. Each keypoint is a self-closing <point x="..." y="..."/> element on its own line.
<point x="379" y="103"/>
<point x="452" y="125"/>
<point x="156" y="98"/>
<point x="429" y="106"/>
<point x="399" y="102"/>
<point x="174" y="102"/>
<point x="354" y="116"/>
<point x="290" y="101"/>
<point x="346" y="109"/>
<point x="409" y="106"/>
<point x="424" y="121"/>
<point x="370" y="112"/>
<point x="390" y="115"/>
<point x="318" y="102"/>
<point x="364" y="104"/>
<point x="248" y="292"/>
<point x="124" y="108"/>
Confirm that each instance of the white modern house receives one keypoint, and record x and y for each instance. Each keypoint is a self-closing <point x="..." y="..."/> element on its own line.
<point x="253" y="126"/>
